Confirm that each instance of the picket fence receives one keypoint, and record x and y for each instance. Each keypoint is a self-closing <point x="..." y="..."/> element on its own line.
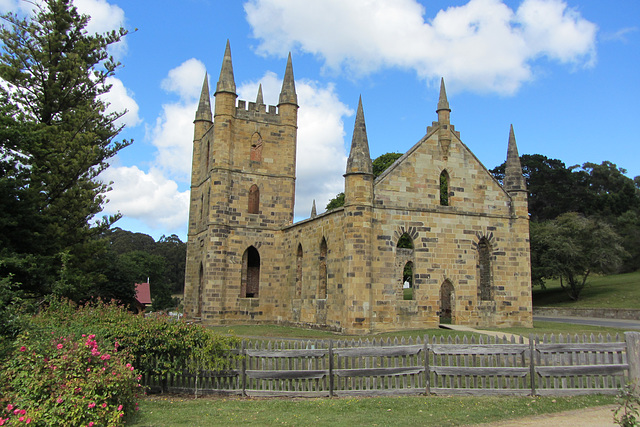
<point x="551" y="365"/>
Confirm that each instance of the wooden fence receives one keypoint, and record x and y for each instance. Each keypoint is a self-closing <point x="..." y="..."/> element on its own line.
<point x="551" y="365"/>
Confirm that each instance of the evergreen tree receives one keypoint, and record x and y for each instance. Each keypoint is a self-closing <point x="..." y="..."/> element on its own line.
<point x="55" y="139"/>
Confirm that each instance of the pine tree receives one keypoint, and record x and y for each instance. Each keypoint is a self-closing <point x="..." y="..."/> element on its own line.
<point x="55" y="138"/>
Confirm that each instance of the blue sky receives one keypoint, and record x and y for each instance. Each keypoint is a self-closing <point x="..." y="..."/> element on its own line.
<point x="564" y="73"/>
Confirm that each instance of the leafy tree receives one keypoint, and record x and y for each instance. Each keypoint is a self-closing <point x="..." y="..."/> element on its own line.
<point x="380" y="164"/>
<point x="56" y="137"/>
<point x="572" y="247"/>
<point x="174" y="251"/>
<point x="336" y="202"/>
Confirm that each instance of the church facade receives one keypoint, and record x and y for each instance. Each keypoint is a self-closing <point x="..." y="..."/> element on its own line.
<point x="434" y="237"/>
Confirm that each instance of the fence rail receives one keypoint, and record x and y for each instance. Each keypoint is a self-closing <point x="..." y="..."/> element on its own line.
<point x="550" y="365"/>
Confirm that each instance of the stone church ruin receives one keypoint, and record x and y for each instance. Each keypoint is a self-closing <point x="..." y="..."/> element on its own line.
<point x="465" y="236"/>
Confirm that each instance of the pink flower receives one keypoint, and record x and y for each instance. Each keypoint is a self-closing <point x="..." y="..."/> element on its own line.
<point x="59" y="346"/>
<point x="88" y="369"/>
<point x="120" y="408"/>
<point x="23" y="348"/>
<point x="90" y="424"/>
<point x="28" y="421"/>
<point x="21" y="419"/>
<point x="104" y="405"/>
<point x="92" y="405"/>
<point x="9" y="407"/>
<point x="2" y="420"/>
<point x="105" y="357"/>
<point x="59" y="400"/>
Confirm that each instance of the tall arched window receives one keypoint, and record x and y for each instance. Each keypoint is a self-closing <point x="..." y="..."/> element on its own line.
<point x="447" y="302"/>
<point x="322" y="275"/>
<point x="299" y="272"/>
<point x="254" y="199"/>
<point x="250" y="286"/>
<point x="404" y="254"/>
<point x="444" y="188"/>
<point x="256" y="148"/>
<point x="206" y="162"/>
<point x="485" y="279"/>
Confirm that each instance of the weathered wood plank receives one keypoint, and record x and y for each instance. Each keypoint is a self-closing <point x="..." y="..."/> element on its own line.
<point x="287" y="353"/>
<point x="493" y="371"/>
<point x="401" y="350"/>
<point x="478" y="349"/>
<point x="581" y="347"/>
<point x="575" y="391"/>
<point x="565" y="371"/>
<point x="286" y="393"/>
<point x="369" y="372"/>
<point x="279" y="375"/>
<point x="388" y="392"/>
<point x="479" y="391"/>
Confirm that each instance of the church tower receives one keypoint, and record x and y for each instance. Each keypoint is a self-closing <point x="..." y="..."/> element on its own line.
<point x="242" y="192"/>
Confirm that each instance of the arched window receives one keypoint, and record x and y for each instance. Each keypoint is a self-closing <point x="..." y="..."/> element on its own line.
<point x="299" y="272"/>
<point x="444" y="188"/>
<point x="256" y="148"/>
<point x="447" y="302"/>
<point x="407" y="281"/>
<point x="200" y="290"/>
<point x="485" y="279"/>
<point x="404" y="260"/>
<point x="250" y="286"/>
<point x="322" y="275"/>
<point x="206" y="169"/>
<point x="254" y="199"/>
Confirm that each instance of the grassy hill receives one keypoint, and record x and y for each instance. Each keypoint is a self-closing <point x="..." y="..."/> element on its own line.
<point x="615" y="291"/>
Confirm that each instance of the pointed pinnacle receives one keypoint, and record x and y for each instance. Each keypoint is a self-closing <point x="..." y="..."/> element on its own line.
<point x="259" y="99"/>
<point x="513" y="179"/>
<point x="204" y="106"/>
<point x="443" y="103"/>
<point x="313" y="209"/>
<point x="226" y="82"/>
<point x="359" y="159"/>
<point x="288" y="93"/>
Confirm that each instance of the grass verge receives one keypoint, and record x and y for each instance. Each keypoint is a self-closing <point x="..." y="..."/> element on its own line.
<point x="374" y="411"/>
<point x="615" y="291"/>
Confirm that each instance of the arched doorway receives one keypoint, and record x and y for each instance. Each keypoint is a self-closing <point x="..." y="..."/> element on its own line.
<point x="447" y="303"/>
<point x="250" y="273"/>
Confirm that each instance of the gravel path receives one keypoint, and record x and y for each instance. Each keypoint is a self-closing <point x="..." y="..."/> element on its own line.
<point x="600" y="416"/>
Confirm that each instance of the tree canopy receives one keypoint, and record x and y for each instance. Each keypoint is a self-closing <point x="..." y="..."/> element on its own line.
<point x="56" y="137"/>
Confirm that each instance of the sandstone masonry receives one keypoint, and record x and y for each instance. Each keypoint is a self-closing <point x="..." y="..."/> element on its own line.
<point x="465" y="237"/>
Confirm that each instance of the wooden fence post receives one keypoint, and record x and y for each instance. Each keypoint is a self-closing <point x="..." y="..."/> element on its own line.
<point x="633" y="357"/>
<point x="427" y="374"/>
<point x="331" y="385"/>
<point x="243" y="373"/>
<point x="532" y="366"/>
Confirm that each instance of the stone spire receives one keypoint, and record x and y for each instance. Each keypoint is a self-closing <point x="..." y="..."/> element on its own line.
<point x="204" y="106"/>
<point x="288" y="93"/>
<point x="313" y="209"/>
<point x="259" y="98"/>
<point x="226" y="82"/>
<point x="513" y="179"/>
<point x="359" y="158"/>
<point x="443" y="105"/>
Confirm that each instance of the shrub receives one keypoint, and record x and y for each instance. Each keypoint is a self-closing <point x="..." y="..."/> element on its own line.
<point x="157" y="345"/>
<point x="70" y="380"/>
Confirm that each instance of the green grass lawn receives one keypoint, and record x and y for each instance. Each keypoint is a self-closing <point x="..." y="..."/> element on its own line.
<point x="345" y="411"/>
<point x="615" y="291"/>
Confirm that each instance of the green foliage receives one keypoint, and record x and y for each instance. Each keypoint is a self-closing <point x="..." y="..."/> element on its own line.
<point x="158" y="345"/>
<point x="336" y="202"/>
<point x="382" y="162"/>
<point x="627" y="414"/>
<point x="72" y="380"/>
<point x="55" y="139"/>
<point x="571" y="247"/>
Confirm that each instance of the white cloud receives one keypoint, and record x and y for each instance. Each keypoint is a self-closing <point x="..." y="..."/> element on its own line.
<point x="105" y="17"/>
<point x="482" y="46"/>
<point x="120" y="99"/>
<point x="321" y="156"/>
<point x="148" y="197"/>
<point x="172" y="134"/>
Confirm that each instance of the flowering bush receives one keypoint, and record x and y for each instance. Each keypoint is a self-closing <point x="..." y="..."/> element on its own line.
<point x="69" y="381"/>
<point x="157" y="346"/>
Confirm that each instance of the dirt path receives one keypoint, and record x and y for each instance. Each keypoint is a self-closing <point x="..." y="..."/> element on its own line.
<point x="601" y="416"/>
